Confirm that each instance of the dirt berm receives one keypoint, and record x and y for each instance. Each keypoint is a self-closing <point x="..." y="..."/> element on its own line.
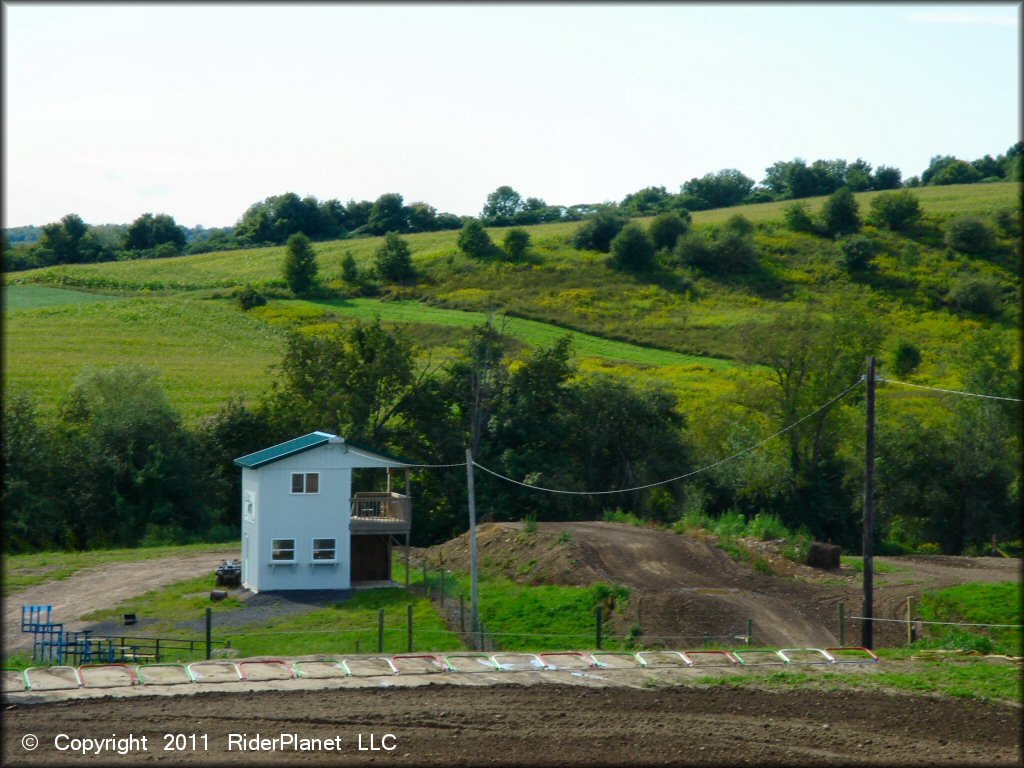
<point x="685" y="587"/>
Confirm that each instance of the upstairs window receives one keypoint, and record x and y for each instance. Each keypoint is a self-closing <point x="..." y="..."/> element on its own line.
<point x="305" y="482"/>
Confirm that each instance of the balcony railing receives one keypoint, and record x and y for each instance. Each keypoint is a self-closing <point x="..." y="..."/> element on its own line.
<point x="381" y="512"/>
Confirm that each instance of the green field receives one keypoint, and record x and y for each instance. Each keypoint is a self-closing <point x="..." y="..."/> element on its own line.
<point x="204" y="351"/>
<point x="35" y="296"/>
<point x="686" y="332"/>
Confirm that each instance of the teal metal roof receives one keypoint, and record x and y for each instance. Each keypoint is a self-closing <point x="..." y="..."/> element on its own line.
<point x="288" y="448"/>
<point x="300" y="444"/>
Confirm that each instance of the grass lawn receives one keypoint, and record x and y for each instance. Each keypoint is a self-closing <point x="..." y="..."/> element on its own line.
<point x="974" y="604"/>
<point x="35" y="296"/>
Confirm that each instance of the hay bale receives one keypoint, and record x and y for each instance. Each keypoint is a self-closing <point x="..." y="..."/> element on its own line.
<point x="218" y="594"/>
<point x="824" y="556"/>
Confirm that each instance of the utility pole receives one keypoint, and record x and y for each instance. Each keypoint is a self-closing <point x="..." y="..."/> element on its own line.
<point x="867" y="544"/>
<point x="472" y="543"/>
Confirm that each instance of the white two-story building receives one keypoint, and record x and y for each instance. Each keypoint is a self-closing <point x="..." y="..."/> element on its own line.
<point x="302" y="527"/>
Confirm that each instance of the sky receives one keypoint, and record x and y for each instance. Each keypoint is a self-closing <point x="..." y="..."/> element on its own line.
<point x="200" y="110"/>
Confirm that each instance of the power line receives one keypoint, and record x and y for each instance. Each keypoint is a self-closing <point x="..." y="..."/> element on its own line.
<point x="950" y="391"/>
<point x="678" y="477"/>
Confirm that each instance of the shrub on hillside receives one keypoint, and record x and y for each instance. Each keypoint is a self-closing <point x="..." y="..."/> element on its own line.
<point x="667" y="228"/>
<point x="249" y="297"/>
<point x="905" y="358"/>
<point x="474" y="240"/>
<point x="798" y="219"/>
<point x="632" y="250"/>
<point x="977" y="294"/>
<point x="349" y="270"/>
<point x="897" y="211"/>
<point x="857" y="253"/>
<point x="738" y="224"/>
<point x="299" y="264"/>
<point x="394" y="259"/>
<point x="839" y="214"/>
<point x="597" y="233"/>
<point x="969" y="234"/>
<point x="516" y="243"/>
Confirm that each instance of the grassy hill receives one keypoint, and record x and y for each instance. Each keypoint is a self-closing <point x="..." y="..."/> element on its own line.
<point x="683" y="329"/>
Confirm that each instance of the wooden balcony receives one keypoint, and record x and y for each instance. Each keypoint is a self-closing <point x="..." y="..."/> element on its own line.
<point x="381" y="513"/>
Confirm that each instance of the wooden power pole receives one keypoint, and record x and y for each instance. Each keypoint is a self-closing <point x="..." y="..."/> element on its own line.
<point x="473" y="616"/>
<point x="866" y="638"/>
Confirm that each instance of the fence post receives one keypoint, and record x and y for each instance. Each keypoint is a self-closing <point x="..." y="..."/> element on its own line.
<point x="842" y="625"/>
<point x="357" y="646"/>
<point x="442" y="587"/>
<point x="598" y="617"/>
<point x="209" y="627"/>
<point x="408" y="624"/>
<point x="380" y="630"/>
<point x="462" y="614"/>
<point x="157" y="652"/>
<point x="750" y="630"/>
<point x="426" y="584"/>
<point x="910" y="620"/>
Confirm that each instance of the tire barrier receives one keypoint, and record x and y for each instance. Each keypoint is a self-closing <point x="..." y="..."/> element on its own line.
<point x="483" y="661"/>
<point x="322" y="665"/>
<point x="759" y="658"/>
<point x="268" y="664"/>
<point x="582" y="661"/>
<point x="169" y="665"/>
<point x="826" y="657"/>
<point x="647" y="659"/>
<point x="52" y="672"/>
<point x="730" y="660"/>
<point x="519" y="662"/>
<point x="118" y="675"/>
<point x="432" y="663"/>
<point x="611" y="659"/>
<point x="852" y="654"/>
<point x="209" y="674"/>
<point x="101" y="669"/>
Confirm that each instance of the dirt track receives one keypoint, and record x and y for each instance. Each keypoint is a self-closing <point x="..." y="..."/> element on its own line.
<point x="105" y="586"/>
<point x="685" y="586"/>
<point x="541" y="725"/>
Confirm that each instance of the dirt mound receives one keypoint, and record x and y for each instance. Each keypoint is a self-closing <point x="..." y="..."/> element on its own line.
<point x="686" y="588"/>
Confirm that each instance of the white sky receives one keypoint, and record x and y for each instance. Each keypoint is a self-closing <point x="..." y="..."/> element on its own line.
<point x="201" y="110"/>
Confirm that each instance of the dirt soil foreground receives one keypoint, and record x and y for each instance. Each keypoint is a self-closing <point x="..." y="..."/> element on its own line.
<point x="557" y="724"/>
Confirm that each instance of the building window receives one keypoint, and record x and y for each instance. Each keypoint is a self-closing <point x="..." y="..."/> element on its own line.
<point x="282" y="550"/>
<point x="325" y="549"/>
<point x="305" y="482"/>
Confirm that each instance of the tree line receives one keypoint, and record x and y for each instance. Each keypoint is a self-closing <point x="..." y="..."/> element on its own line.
<point x="273" y="220"/>
<point x="116" y="466"/>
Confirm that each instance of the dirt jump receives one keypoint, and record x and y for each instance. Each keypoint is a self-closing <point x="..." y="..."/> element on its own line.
<point x="685" y="587"/>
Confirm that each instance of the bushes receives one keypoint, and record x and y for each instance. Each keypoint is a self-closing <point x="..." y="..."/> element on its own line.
<point x="976" y="294"/>
<point x="839" y="214"/>
<point x="516" y="244"/>
<point x="897" y="211"/>
<point x="597" y="233"/>
<point x="667" y="228"/>
<point x="969" y="234"/>
<point x="632" y="250"/>
<point x="727" y="252"/>
<point x="906" y="358"/>
<point x="798" y="219"/>
<point x="249" y="297"/>
<point x="394" y="259"/>
<point x="300" y="264"/>
<point x="474" y="240"/>
<point x="857" y="253"/>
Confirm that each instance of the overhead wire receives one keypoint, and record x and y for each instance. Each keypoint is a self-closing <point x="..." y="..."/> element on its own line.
<point x="950" y="391"/>
<point x="683" y="476"/>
